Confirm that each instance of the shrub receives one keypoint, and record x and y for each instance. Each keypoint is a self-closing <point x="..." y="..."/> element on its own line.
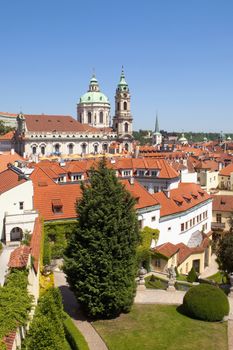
<point x="192" y="276"/>
<point x="73" y="336"/>
<point x="46" y="251"/>
<point x="206" y="302"/>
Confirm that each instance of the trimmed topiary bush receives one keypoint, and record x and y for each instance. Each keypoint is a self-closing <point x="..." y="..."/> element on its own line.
<point x="192" y="276"/>
<point x="206" y="302"/>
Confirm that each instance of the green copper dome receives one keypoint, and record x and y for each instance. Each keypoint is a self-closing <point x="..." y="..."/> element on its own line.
<point x="94" y="95"/>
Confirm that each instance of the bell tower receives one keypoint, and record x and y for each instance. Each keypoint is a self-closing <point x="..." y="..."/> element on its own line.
<point x="122" y="122"/>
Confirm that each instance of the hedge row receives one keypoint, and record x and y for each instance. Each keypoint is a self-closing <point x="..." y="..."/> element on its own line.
<point x="73" y="336"/>
<point x="15" y="303"/>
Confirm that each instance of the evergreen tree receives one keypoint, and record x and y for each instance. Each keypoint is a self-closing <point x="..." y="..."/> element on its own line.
<point x="100" y="260"/>
<point x="225" y="253"/>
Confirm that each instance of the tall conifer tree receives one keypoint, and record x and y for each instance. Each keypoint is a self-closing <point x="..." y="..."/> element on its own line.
<point x="100" y="260"/>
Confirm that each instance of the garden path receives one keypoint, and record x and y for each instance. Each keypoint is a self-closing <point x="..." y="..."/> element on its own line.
<point x="94" y="341"/>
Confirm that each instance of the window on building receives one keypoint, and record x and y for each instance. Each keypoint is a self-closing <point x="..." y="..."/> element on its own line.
<point x="169" y="228"/>
<point x="126" y="147"/>
<point x="186" y="225"/>
<point x="125" y="106"/>
<point x="140" y="224"/>
<point x="141" y="173"/>
<point x="182" y="227"/>
<point x="156" y="189"/>
<point x="118" y="106"/>
<point x="219" y="218"/>
<point x="57" y="206"/>
<point x="191" y="223"/>
<point x="42" y="149"/>
<point x="126" y="127"/>
<point x="77" y="177"/>
<point x="84" y="148"/>
<point x="194" y="221"/>
<point x="70" y="148"/>
<point x="157" y="263"/>
<point x="57" y="148"/>
<point x="21" y="205"/>
<point x="34" y="150"/>
<point x="153" y="218"/>
<point x="89" y="117"/>
<point x="187" y="267"/>
<point x="60" y="179"/>
<point x="95" y="148"/>
<point x="101" y="117"/>
<point x="153" y="173"/>
<point x="126" y="172"/>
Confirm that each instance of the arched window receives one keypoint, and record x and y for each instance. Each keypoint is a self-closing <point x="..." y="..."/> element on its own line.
<point x="34" y="150"/>
<point x="125" y="106"/>
<point x="57" y="148"/>
<point x="118" y="106"/>
<point x="101" y="117"/>
<point x="89" y="117"/>
<point x="126" y="147"/>
<point x="126" y="127"/>
<point x="84" y="148"/>
<point x="70" y="148"/>
<point x="42" y="149"/>
<point x="95" y="148"/>
<point x="105" y="147"/>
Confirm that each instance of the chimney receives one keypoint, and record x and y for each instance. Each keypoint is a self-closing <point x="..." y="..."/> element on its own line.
<point x="131" y="181"/>
<point x="167" y="193"/>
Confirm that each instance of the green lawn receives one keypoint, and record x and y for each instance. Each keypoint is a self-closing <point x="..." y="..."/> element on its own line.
<point x="161" y="327"/>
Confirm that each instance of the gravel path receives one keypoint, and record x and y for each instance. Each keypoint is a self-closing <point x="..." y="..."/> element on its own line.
<point x="94" y="341"/>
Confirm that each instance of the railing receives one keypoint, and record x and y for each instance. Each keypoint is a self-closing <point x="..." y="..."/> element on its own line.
<point x="217" y="226"/>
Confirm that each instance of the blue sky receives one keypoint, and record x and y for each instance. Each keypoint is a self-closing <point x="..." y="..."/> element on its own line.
<point x="177" y="54"/>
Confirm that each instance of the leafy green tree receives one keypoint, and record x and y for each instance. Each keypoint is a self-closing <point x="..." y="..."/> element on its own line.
<point x="225" y="253"/>
<point x="100" y="260"/>
<point x="4" y="128"/>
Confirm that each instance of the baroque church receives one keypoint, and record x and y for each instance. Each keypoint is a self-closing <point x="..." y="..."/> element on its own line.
<point x="92" y="133"/>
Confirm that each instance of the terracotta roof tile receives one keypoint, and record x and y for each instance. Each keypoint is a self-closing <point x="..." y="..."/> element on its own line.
<point x="167" y="249"/>
<point x="6" y="158"/>
<point x="19" y="257"/>
<point x="227" y="170"/>
<point x="59" y="123"/>
<point x="9" y="179"/>
<point x="180" y="198"/>
<point x="223" y="203"/>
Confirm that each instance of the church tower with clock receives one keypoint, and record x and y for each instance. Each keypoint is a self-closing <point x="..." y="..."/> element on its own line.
<point x="122" y="121"/>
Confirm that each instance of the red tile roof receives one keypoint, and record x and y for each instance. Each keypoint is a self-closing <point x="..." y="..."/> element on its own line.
<point x="167" y="249"/>
<point x="227" y="170"/>
<point x="6" y="158"/>
<point x="9" y="179"/>
<point x="223" y="203"/>
<point x="143" y="197"/>
<point x="8" y="136"/>
<point x="179" y="200"/>
<point x="19" y="257"/>
<point x="58" y="123"/>
<point x="9" y="340"/>
<point x="8" y="114"/>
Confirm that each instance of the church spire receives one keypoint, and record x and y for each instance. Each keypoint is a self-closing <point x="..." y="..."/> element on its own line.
<point x="122" y="86"/>
<point x="157" y="123"/>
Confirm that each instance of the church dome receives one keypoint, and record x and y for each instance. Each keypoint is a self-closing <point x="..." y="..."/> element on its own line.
<point x="94" y="95"/>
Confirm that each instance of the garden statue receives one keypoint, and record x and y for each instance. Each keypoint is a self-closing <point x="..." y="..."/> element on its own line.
<point x="142" y="272"/>
<point x="171" y="273"/>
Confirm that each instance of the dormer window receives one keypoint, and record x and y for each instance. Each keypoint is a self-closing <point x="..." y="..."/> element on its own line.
<point x="57" y="206"/>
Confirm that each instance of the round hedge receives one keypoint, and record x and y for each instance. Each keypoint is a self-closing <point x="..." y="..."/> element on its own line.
<point x="206" y="302"/>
